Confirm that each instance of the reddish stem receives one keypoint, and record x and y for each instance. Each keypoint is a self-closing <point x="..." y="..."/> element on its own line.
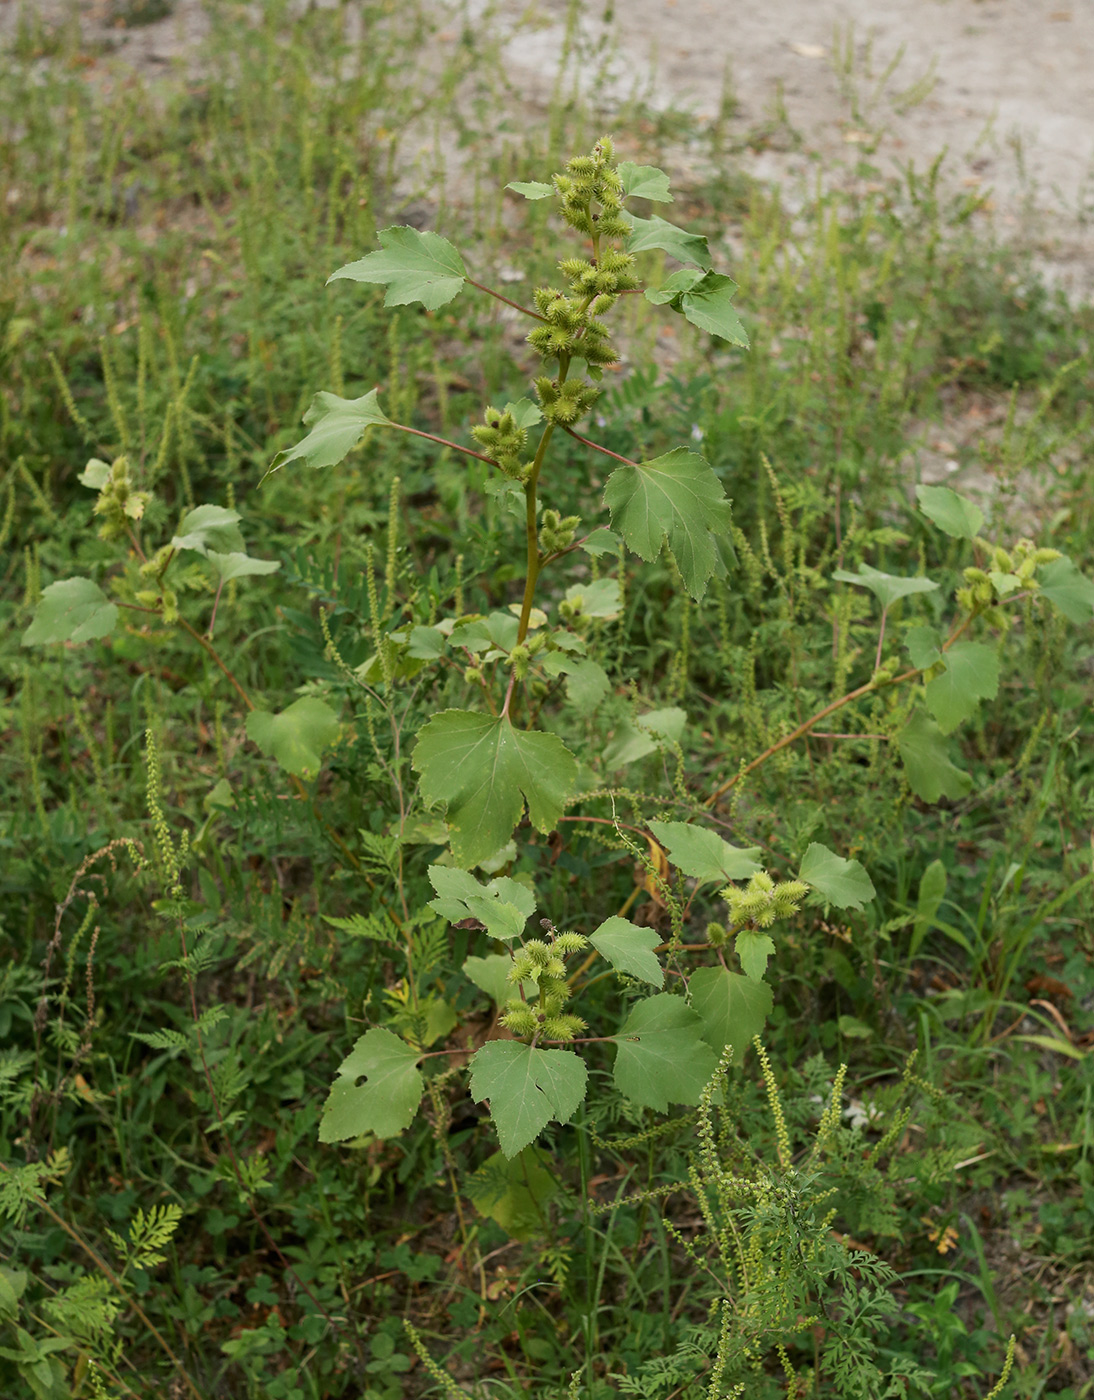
<point x="588" y="442"/>
<point x="527" y="310"/>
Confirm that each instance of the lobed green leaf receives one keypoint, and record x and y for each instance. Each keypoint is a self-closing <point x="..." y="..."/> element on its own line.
<point x="531" y="189"/>
<point x="644" y="182"/>
<point x="841" y="882"/>
<point x="209" y="527"/>
<point x="971" y="674"/>
<point x="629" y="949"/>
<point x="71" y="610"/>
<point x="413" y="265"/>
<point x="886" y="588"/>
<point x="339" y="425"/>
<point x="661" y="1057"/>
<point x="950" y="512"/>
<point x="753" y="948"/>
<point x="731" y="1008"/>
<point x="676" y="498"/>
<point x="377" y="1090"/>
<point x="677" y="242"/>
<point x="236" y="565"/>
<point x="636" y="740"/>
<point x="702" y="853"/>
<point x="527" y="1088"/>
<point x="297" y="736"/>
<point x="925" y="754"/>
<point x="1067" y="589"/>
<point x="484" y="770"/>
<point x="503" y="907"/>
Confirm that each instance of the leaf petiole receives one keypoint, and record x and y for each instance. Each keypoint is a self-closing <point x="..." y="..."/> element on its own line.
<point x="527" y="310"/>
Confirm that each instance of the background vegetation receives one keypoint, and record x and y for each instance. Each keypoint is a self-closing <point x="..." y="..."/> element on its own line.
<point x="165" y="247"/>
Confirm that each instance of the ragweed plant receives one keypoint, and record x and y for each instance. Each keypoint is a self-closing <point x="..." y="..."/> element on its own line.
<point x="798" y="1308"/>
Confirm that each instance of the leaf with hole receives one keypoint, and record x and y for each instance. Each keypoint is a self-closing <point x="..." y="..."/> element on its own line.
<point x="485" y="770"/>
<point x="71" y="610"/>
<point x="378" y="1089"/>
<point x="629" y="949"/>
<point x="841" y="882"/>
<point x="675" y="498"/>
<point x="413" y="265"/>
<point x="297" y="736"/>
<point x="527" y="1088"/>
<point x="661" y="1057"/>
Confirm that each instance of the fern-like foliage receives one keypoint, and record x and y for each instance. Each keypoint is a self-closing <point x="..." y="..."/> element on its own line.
<point x="379" y="854"/>
<point x="162" y="1040"/>
<point x="376" y="928"/>
<point x="146" y="1237"/>
<point x="429" y="943"/>
<point x="85" y="1311"/>
<point x="21" y="1185"/>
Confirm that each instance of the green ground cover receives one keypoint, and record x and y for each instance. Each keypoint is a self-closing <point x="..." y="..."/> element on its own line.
<point x="225" y="882"/>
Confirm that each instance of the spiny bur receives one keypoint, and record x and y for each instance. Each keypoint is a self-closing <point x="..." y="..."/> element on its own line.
<point x="763" y="902"/>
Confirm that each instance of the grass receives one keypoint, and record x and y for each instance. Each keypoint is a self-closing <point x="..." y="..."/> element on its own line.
<point x="166" y="246"/>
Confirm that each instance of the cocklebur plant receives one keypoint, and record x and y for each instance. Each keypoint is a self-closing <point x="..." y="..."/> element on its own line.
<point x="483" y="767"/>
<point x="497" y="757"/>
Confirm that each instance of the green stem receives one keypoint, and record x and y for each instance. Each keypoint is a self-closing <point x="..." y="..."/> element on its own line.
<point x="530" y="522"/>
<point x="531" y="531"/>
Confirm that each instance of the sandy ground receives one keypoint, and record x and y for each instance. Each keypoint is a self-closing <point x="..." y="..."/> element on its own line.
<point x="1006" y="87"/>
